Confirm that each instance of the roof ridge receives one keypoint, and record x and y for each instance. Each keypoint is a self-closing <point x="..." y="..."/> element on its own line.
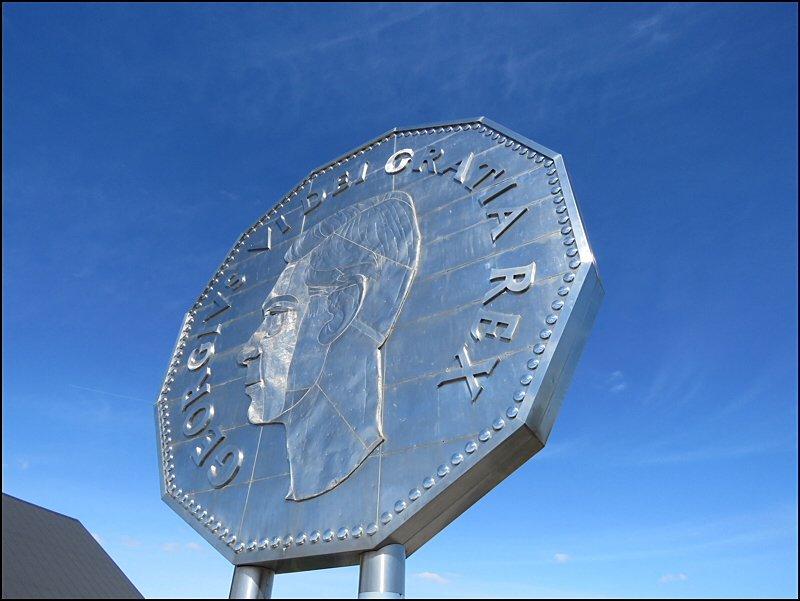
<point x="63" y="515"/>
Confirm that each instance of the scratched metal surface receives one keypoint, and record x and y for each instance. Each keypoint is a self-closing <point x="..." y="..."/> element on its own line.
<point x="380" y="349"/>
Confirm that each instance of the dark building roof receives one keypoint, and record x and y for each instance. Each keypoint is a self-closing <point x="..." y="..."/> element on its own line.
<point x="50" y="555"/>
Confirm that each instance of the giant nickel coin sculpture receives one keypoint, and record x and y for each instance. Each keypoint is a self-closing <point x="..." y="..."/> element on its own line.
<point x="380" y="349"/>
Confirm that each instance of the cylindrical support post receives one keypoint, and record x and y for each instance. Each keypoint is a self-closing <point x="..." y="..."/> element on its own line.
<point x="383" y="573"/>
<point x="251" y="582"/>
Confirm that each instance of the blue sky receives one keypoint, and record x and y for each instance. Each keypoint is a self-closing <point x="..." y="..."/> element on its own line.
<point x="139" y="141"/>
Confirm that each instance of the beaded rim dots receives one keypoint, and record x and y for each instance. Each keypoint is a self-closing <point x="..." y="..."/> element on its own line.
<point x="343" y="533"/>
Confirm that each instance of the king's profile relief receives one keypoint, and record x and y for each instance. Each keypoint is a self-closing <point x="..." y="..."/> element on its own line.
<point x="315" y="362"/>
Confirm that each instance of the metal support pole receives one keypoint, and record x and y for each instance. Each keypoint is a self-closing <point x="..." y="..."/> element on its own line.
<point x="251" y="582"/>
<point x="383" y="573"/>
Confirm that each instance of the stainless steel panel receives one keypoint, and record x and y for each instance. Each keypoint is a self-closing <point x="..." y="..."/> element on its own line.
<point x="398" y="344"/>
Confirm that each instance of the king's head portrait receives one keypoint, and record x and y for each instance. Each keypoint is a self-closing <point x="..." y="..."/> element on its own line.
<point x="314" y="364"/>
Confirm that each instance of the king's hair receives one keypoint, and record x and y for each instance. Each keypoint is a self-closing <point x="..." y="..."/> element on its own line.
<point x="358" y="246"/>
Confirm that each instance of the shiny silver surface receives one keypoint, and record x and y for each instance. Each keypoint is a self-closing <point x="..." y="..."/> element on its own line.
<point x="337" y="299"/>
<point x="383" y="573"/>
<point x="251" y="582"/>
<point x="379" y="349"/>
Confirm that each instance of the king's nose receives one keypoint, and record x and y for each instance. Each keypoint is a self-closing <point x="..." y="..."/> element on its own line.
<point x="249" y="351"/>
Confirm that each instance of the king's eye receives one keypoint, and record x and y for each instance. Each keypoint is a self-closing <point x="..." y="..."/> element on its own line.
<point x="275" y="314"/>
<point x="273" y="321"/>
<point x="281" y="307"/>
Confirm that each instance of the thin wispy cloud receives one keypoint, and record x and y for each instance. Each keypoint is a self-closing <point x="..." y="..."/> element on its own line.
<point x="667" y="578"/>
<point x="755" y="389"/>
<point x="107" y="393"/>
<point x="131" y="542"/>
<point x="669" y="454"/>
<point x="655" y="28"/>
<point x="176" y="547"/>
<point x="561" y="558"/>
<point x="386" y="23"/>
<point x="617" y="382"/>
<point x="433" y="577"/>
<point x="647" y="24"/>
<point x="673" y="387"/>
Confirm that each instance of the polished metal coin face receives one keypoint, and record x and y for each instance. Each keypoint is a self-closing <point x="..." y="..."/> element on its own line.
<point x="378" y="350"/>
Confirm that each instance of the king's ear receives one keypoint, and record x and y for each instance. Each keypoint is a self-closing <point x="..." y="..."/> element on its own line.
<point x="343" y="304"/>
